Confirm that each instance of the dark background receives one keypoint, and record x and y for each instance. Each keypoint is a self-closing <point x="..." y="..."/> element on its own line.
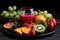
<point x="33" y="3"/>
<point x="52" y="5"/>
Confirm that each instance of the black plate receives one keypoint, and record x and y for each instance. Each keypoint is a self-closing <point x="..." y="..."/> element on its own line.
<point x="14" y="34"/>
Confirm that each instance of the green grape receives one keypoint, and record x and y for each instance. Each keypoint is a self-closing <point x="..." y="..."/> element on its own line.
<point x="6" y="15"/>
<point x="10" y="8"/>
<point x="41" y="12"/>
<point x="14" y="12"/>
<point x="35" y="12"/>
<point x="49" y="15"/>
<point x="11" y="15"/>
<point x="2" y="14"/>
<point x="17" y="16"/>
<point x="45" y="11"/>
<point x="19" y="12"/>
<point x="4" y="11"/>
<point x="14" y="7"/>
<point x="45" y="15"/>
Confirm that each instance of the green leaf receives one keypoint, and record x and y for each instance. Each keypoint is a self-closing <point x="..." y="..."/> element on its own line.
<point x="15" y="22"/>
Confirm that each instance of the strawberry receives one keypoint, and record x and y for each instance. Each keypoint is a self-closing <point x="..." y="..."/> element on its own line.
<point x="33" y="31"/>
<point x="28" y="25"/>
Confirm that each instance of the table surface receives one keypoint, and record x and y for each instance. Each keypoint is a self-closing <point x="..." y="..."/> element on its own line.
<point x="55" y="36"/>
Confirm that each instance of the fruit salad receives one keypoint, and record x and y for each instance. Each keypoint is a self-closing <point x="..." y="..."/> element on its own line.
<point x="36" y="22"/>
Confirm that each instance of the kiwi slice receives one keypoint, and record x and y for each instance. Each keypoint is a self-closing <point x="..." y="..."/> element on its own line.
<point x="39" y="28"/>
<point x="42" y="22"/>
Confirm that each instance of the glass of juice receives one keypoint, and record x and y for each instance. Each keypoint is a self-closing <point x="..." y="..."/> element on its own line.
<point x="27" y="14"/>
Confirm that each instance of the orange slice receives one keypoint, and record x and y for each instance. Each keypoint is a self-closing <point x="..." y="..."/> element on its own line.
<point x="26" y="30"/>
<point x="18" y="30"/>
<point x="8" y="25"/>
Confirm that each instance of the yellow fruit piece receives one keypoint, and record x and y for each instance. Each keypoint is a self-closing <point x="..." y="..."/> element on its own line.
<point x="18" y="30"/>
<point x="26" y="30"/>
<point x="39" y="17"/>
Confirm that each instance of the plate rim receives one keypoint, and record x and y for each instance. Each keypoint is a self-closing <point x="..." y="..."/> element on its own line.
<point x="29" y="35"/>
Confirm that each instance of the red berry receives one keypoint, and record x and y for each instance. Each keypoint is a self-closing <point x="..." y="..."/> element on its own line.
<point x="33" y="32"/>
<point x="28" y="25"/>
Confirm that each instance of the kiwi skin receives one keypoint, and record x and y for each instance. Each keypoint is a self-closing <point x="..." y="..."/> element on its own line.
<point x="42" y="22"/>
<point x="39" y="31"/>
